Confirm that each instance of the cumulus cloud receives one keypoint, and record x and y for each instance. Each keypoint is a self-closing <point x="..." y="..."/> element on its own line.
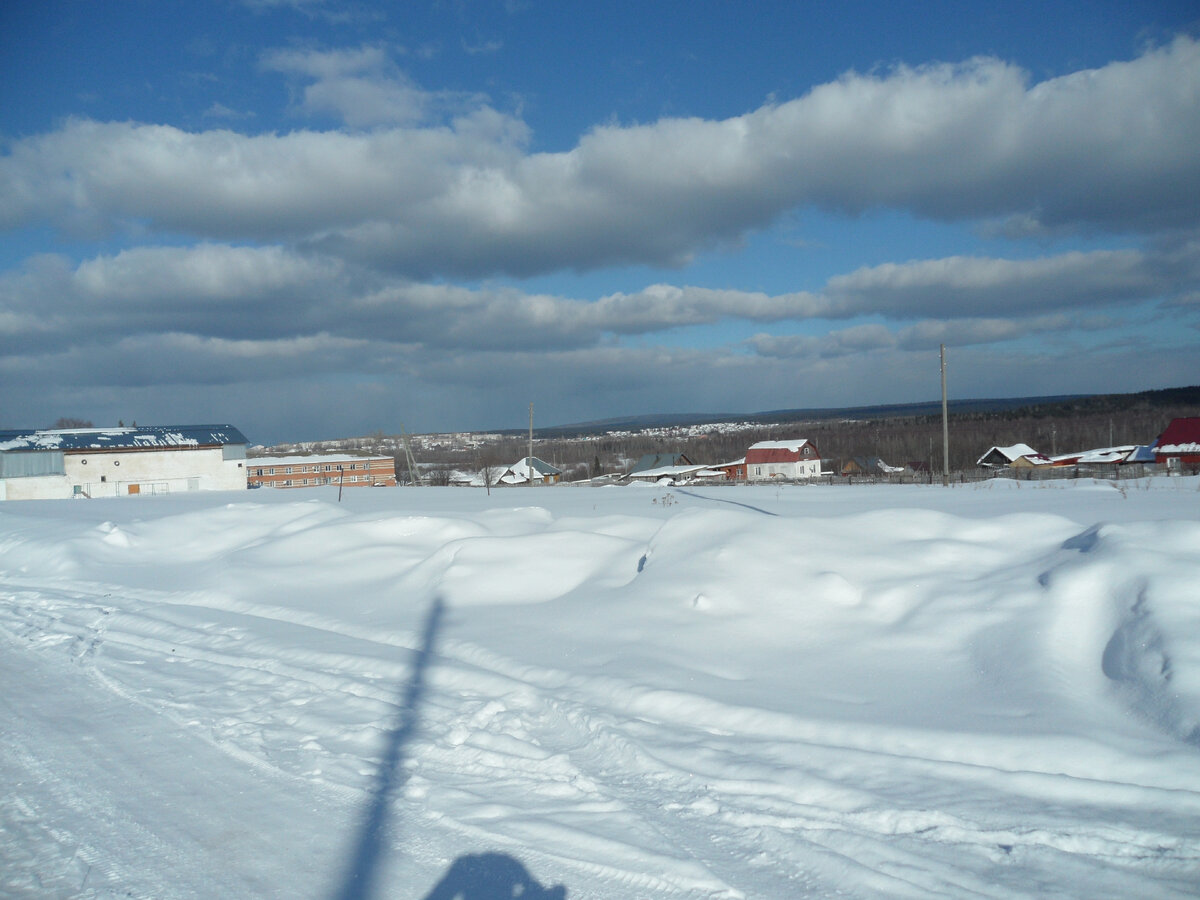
<point x="272" y="292"/>
<point x="360" y="86"/>
<point x="926" y="335"/>
<point x="208" y="272"/>
<point x="967" y="286"/>
<point x="1110" y="148"/>
<point x="95" y="177"/>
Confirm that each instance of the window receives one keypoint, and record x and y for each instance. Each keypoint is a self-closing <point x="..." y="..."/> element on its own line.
<point x="288" y="471"/>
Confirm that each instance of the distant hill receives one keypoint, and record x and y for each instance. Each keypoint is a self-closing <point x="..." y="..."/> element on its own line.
<point x="1059" y="405"/>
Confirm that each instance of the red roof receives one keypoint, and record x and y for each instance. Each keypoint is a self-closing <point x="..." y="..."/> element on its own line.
<point x="1181" y="436"/>
<point x="773" y="455"/>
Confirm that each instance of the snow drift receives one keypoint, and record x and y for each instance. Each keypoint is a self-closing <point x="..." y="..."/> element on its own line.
<point x="757" y="692"/>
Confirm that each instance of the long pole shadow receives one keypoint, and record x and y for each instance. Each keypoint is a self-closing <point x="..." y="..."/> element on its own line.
<point x="363" y="870"/>
<point x="759" y="509"/>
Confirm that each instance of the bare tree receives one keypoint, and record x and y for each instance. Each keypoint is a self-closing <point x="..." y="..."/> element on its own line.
<point x="486" y="460"/>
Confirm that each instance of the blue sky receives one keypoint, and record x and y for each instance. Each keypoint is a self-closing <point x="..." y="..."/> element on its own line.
<point x="313" y="218"/>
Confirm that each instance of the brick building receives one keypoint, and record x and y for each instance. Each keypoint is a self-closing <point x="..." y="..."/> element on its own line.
<point x="311" y="471"/>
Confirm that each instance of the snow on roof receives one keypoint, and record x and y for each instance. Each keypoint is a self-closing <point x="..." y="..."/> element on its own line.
<point x="1126" y="453"/>
<point x="520" y="471"/>
<point x="668" y="472"/>
<point x="779" y="451"/>
<point x="1012" y="454"/>
<point x="656" y="461"/>
<point x="1106" y="455"/>
<point x="1034" y="459"/>
<point x="792" y="446"/>
<point x="1181" y="436"/>
<point x="121" y="438"/>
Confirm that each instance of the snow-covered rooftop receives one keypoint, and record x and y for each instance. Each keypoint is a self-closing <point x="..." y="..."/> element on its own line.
<point x="792" y="446"/>
<point x="1011" y="453"/>
<point x="669" y="472"/>
<point x="121" y="438"/>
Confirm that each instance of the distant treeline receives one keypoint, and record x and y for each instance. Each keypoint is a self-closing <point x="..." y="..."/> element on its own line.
<point x="1051" y="426"/>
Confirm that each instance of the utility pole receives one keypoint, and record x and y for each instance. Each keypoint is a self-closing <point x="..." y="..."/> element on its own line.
<point x="529" y="458"/>
<point x="413" y="472"/>
<point x="945" y="427"/>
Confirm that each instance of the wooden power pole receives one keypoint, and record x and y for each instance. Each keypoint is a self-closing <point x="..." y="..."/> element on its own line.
<point x="945" y="427"/>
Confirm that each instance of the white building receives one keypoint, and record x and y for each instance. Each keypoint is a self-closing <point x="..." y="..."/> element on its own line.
<point x="783" y="460"/>
<point x="530" y="468"/>
<point x="111" y="462"/>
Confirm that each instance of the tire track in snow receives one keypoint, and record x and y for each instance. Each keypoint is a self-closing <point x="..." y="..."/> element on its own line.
<point x="570" y="741"/>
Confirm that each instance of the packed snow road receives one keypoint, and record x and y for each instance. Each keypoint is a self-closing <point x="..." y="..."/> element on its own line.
<point x="906" y="691"/>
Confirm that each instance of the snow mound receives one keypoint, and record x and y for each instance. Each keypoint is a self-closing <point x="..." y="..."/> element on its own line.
<point x="889" y="691"/>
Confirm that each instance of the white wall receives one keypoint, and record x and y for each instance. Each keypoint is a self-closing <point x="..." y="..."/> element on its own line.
<point x="154" y="471"/>
<point x="805" y="468"/>
<point x="36" y="487"/>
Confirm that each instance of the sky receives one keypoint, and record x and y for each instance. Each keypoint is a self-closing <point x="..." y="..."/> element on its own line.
<point x="316" y="218"/>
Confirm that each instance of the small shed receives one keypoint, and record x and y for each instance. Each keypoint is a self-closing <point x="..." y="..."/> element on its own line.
<point x="1000" y="457"/>
<point x="675" y="474"/>
<point x="658" y="461"/>
<point x="1031" y="461"/>
<point x="531" y="469"/>
<point x="734" y="471"/>
<point x="863" y="465"/>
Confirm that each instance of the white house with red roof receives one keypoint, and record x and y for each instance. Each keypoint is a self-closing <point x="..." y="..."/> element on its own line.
<point x="783" y="460"/>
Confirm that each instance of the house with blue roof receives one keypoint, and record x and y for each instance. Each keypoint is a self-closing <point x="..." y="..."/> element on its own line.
<point x="60" y="463"/>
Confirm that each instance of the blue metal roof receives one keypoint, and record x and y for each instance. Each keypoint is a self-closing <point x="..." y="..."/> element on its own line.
<point x="132" y="438"/>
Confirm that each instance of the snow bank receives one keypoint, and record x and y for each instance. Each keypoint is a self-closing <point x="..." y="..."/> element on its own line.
<point x="662" y="693"/>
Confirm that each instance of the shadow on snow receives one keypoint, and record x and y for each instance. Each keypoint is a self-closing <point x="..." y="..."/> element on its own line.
<point x="484" y="876"/>
<point x="491" y="876"/>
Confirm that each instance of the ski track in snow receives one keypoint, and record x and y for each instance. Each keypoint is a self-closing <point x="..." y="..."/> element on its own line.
<point x="691" y="701"/>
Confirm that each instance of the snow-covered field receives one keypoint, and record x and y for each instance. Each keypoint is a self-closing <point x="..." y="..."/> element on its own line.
<point x="982" y="691"/>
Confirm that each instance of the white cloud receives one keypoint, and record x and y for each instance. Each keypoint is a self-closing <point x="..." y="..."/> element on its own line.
<point x="209" y="272"/>
<point x="1111" y="148"/>
<point x="221" y="111"/>
<point x="967" y="286"/>
<point x="363" y="87"/>
<point x="229" y="292"/>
